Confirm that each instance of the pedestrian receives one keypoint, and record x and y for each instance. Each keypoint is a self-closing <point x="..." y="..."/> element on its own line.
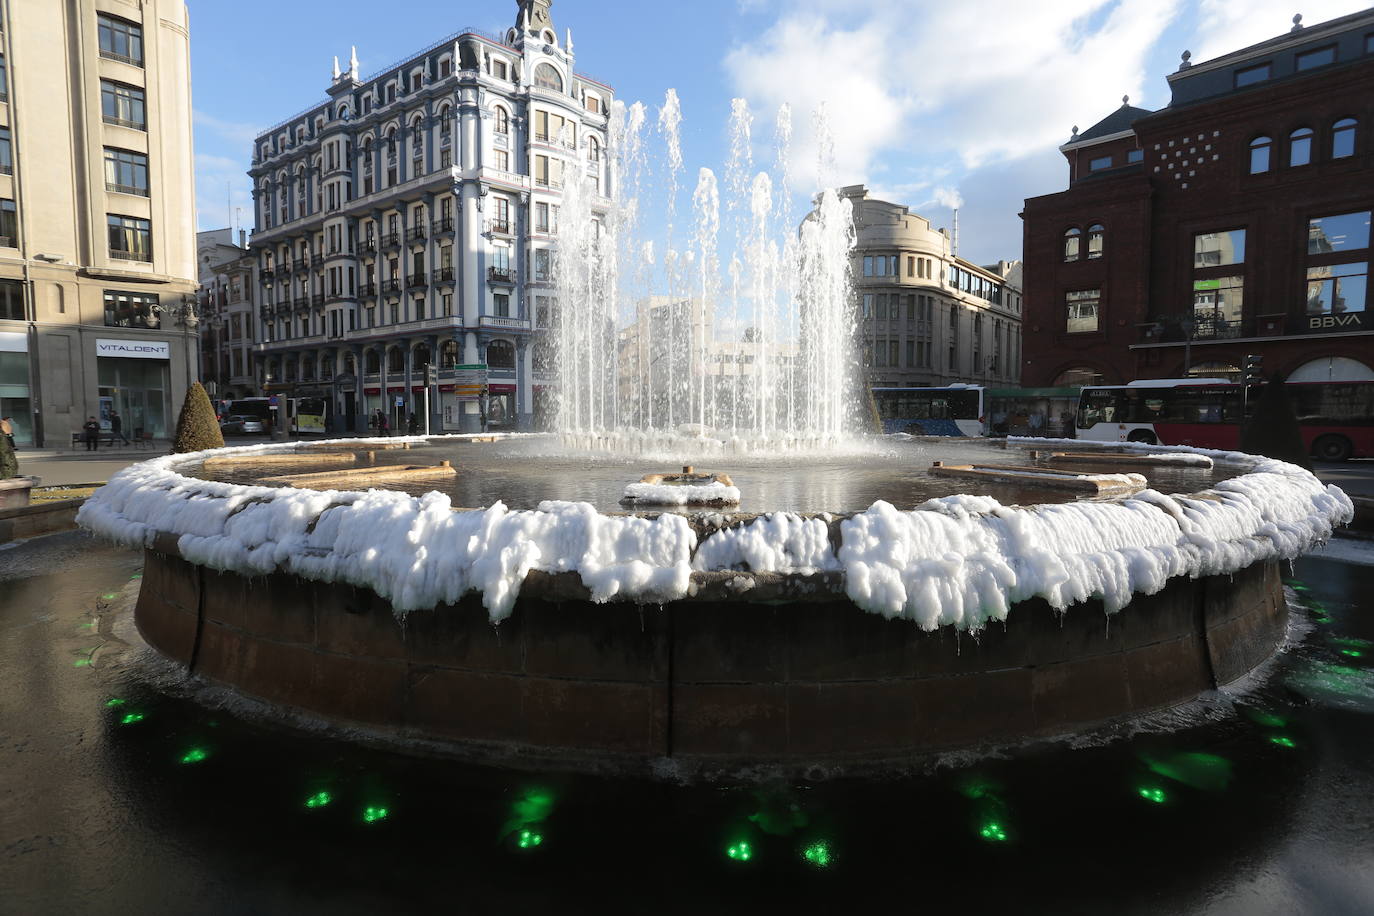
<point x="482" y="403"/>
<point x="7" y="429"/>
<point x="385" y="423"/>
<point x="117" y="428"/>
<point x="412" y="427"/>
<point x="91" y="430"/>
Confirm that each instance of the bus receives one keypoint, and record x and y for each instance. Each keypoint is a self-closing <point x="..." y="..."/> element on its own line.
<point x="308" y="415"/>
<point x="973" y="410"/>
<point x="1336" y="418"/>
<point x="954" y="410"/>
<point x="257" y="408"/>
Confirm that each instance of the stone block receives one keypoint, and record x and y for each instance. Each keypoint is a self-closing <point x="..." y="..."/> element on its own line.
<point x="603" y="642"/>
<point x="729" y="720"/>
<point x="1079" y="692"/>
<point x="595" y="716"/>
<point x="855" y="718"/>
<point x="466" y="705"/>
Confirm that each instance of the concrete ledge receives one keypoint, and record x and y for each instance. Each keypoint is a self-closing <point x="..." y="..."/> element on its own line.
<point x="715" y="684"/>
<point x="45" y="517"/>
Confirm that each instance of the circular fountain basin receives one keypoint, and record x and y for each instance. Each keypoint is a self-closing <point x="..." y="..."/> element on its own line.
<point x="711" y="644"/>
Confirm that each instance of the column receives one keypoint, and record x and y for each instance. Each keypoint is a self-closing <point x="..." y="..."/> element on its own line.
<point x="524" y="398"/>
<point x="470" y="421"/>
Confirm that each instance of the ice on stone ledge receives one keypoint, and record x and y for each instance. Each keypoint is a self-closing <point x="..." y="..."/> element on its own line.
<point x="714" y="493"/>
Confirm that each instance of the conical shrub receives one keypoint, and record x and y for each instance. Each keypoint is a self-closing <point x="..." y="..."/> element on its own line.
<point x="9" y="462"/>
<point x="197" y="428"/>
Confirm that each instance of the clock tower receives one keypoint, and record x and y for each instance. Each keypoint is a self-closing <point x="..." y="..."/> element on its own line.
<point x="535" y="16"/>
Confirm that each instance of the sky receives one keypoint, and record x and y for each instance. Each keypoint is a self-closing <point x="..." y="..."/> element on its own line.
<point x="931" y="104"/>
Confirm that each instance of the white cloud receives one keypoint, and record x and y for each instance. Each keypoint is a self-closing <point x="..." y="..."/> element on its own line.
<point x="980" y="82"/>
<point x="1227" y="25"/>
<point x="222" y="188"/>
<point x="234" y="132"/>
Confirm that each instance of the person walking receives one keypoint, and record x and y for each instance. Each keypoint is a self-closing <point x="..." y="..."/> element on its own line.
<point x="385" y="423"/>
<point x="91" y="429"/>
<point x="117" y="428"/>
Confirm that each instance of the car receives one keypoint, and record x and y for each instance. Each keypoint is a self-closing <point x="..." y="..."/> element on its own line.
<point x="238" y="424"/>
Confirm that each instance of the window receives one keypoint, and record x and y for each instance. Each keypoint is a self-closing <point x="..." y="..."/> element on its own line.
<point x="1337" y="288"/>
<point x="501" y="305"/>
<point x="1096" y="234"/>
<point x="1218" y="306"/>
<point x="1300" y="147"/>
<point x="1369" y="43"/>
<point x="419" y="308"/>
<point x="1251" y="75"/>
<point x="120" y="39"/>
<point x="541" y="217"/>
<point x="122" y="105"/>
<point x="126" y="172"/>
<point x="498" y="68"/>
<point x="131" y="238"/>
<point x="546" y="76"/>
<point x="1072" y="237"/>
<point x="1318" y="58"/>
<point x="1135" y="155"/>
<point x="131" y="310"/>
<point x="502" y="121"/>
<point x="1259" y="154"/>
<point x="503" y="160"/>
<point x="4" y="81"/>
<point x="1343" y="138"/>
<point x="445" y="158"/>
<point x="593" y="150"/>
<point x="9" y="225"/>
<point x="1101" y="162"/>
<point x="593" y="104"/>
<point x="1082" y="308"/>
<point x="1215" y="249"/>
<point x="1332" y="234"/>
<point x="6" y="154"/>
<point x="542" y="264"/>
<point x="445" y="66"/>
<point x="500" y="355"/>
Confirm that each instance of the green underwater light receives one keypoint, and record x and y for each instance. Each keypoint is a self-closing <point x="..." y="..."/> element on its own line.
<point x="993" y="832"/>
<point x="740" y="852"/>
<point x="818" y="854"/>
<point x="130" y="718"/>
<point x="1153" y="794"/>
<point x="528" y="839"/>
<point x="1282" y="741"/>
<point x="372" y="814"/>
<point x="195" y="755"/>
<point x="319" y="800"/>
<point x="114" y="701"/>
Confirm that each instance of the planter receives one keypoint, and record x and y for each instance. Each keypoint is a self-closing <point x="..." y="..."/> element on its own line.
<point x="14" y="492"/>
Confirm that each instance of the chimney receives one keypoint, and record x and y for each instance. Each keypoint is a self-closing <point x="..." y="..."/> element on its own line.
<point x="243" y="238"/>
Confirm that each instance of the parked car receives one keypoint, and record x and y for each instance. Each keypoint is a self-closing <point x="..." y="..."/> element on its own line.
<point x="238" y="424"/>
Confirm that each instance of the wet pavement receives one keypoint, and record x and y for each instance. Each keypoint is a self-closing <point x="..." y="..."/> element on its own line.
<point x="119" y="797"/>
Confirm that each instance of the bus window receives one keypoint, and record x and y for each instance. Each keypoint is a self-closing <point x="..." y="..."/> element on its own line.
<point x="1099" y="406"/>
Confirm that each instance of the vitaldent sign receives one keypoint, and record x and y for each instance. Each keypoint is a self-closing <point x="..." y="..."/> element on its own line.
<point x="134" y="349"/>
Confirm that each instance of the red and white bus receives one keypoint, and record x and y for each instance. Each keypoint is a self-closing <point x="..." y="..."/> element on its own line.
<point x="1337" y="418"/>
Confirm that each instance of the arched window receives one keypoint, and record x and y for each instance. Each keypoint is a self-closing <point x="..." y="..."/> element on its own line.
<point x="367" y="155"/>
<point x="501" y="355"/>
<point x="550" y="38"/>
<point x="373" y="363"/>
<point x="420" y="358"/>
<point x="1343" y="138"/>
<point x="547" y="77"/>
<point x="391" y="146"/>
<point x="1300" y="147"/>
<point x="1097" y="234"/>
<point x="1072" y="238"/>
<point x="502" y="121"/>
<point x="307" y="368"/>
<point x="395" y="360"/>
<point x="445" y="125"/>
<point x="593" y="150"/>
<point x="448" y="355"/>
<point x="1259" y="154"/>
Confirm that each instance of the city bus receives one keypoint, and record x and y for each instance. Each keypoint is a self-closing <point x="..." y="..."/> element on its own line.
<point x="308" y="415"/>
<point x="974" y="410"/>
<point x="1336" y="418"/>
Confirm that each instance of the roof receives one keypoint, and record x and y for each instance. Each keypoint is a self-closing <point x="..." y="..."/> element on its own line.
<point x="1114" y="123"/>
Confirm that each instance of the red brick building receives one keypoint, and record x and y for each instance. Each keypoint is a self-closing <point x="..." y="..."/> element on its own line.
<point x="1235" y="221"/>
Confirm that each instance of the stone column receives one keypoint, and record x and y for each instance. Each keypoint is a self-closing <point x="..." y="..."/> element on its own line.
<point x="469" y="421"/>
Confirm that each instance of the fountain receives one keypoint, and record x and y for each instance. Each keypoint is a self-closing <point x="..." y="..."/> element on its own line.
<point x="852" y="614"/>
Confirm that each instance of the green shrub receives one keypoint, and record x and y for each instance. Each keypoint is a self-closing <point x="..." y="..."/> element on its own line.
<point x="197" y="428"/>
<point x="9" y="462"/>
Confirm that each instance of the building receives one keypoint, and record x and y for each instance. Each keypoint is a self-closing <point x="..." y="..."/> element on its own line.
<point x="97" y="217"/>
<point x="927" y="316"/>
<point x="1235" y="221"/>
<point x="409" y="219"/>
<point x="228" y="326"/>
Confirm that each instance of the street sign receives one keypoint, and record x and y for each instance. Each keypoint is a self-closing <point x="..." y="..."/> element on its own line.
<point x="431" y="374"/>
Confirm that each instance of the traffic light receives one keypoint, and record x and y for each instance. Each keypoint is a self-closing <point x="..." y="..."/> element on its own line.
<point x="1254" y="370"/>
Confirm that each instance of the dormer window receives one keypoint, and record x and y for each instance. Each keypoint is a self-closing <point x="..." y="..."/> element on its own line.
<point x="498" y="68"/>
<point x="1100" y="163"/>
<point x="547" y="77"/>
<point x="1249" y="76"/>
<point x="1310" y="60"/>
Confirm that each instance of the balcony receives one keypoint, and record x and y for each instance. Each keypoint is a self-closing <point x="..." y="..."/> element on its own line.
<point x="121" y="122"/>
<point x="368" y="245"/>
<point x="391" y="240"/>
<point x="109" y="185"/>
<point x="267" y="274"/>
<point x="391" y="286"/>
<point x="500" y="275"/>
<point x="416" y="281"/>
<point x="317" y="300"/>
<point x="301" y="303"/>
<point x="120" y="255"/>
<point x="442" y="226"/>
<point x="442" y="275"/>
<point x="368" y="291"/>
<point x="122" y="58"/>
<point x="552" y="183"/>
<point x="499" y="227"/>
<point x="300" y="264"/>
<point x="415" y="234"/>
<point x="504" y="324"/>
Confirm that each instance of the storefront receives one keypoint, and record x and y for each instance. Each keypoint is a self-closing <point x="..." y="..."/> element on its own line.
<point x="135" y="380"/>
<point x="14" y="385"/>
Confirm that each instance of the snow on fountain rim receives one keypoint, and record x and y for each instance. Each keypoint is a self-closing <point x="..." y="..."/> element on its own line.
<point x="689" y="494"/>
<point x="958" y="560"/>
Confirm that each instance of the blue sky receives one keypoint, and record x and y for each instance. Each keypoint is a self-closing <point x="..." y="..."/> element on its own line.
<point x="930" y="102"/>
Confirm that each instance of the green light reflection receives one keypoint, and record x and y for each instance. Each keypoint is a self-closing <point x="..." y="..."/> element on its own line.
<point x="528" y="839"/>
<point x="319" y="800"/>
<point x="818" y="854"/>
<point x="195" y="755"/>
<point x="1153" y="794"/>
<point x="740" y="852"/>
<point x="114" y="701"/>
<point x="372" y="814"/>
<point x="1282" y="741"/>
<point x="131" y="718"/>
<point x="1200" y="771"/>
<point x="993" y="832"/>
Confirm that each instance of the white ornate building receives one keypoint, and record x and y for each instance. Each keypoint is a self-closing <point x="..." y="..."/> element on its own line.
<point x="408" y="220"/>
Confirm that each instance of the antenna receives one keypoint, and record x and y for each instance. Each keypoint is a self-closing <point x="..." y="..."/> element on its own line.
<point x="954" y="242"/>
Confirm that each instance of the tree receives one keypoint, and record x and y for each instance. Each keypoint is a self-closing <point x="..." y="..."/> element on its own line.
<point x="1272" y="429"/>
<point x="197" y="428"/>
<point x="9" y="462"/>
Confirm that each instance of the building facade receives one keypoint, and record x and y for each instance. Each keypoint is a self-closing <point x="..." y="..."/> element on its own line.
<point x="228" y="324"/>
<point x="1236" y="221"/>
<point x="927" y="317"/>
<point x="409" y="220"/>
<point x="97" y="216"/>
